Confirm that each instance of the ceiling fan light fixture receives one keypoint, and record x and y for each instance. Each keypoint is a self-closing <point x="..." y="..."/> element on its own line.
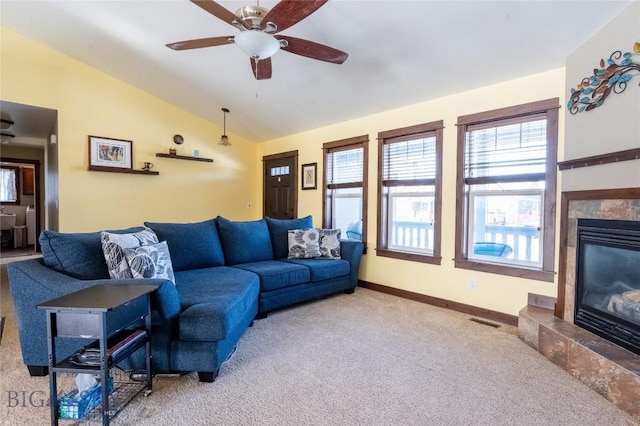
<point x="5" y="123"/>
<point x="224" y="139"/>
<point x="257" y="44"/>
<point x="6" y="137"/>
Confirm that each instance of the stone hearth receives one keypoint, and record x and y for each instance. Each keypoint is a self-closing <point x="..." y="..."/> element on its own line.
<point x="610" y="370"/>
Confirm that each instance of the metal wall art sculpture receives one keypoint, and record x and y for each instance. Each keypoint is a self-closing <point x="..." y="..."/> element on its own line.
<point x="613" y="75"/>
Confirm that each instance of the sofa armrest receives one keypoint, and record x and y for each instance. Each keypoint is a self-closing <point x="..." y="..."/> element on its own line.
<point x="352" y="250"/>
<point x="32" y="283"/>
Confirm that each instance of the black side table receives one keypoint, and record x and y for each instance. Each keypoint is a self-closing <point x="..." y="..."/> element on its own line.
<point x="106" y="315"/>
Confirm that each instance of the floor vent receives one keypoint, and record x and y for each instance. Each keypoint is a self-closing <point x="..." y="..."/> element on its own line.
<point x="484" y="322"/>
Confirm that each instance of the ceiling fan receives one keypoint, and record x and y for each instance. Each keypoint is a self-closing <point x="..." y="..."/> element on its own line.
<point x="259" y="36"/>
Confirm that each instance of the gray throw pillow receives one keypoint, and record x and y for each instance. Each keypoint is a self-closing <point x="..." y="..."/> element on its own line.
<point x="303" y="243"/>
<point x="113" y="244"/>
<point x="329" y="243"/>
<point x="151" y="261"/>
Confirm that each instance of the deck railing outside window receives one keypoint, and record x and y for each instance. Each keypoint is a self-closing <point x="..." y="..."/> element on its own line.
<point x="522" y="239"/>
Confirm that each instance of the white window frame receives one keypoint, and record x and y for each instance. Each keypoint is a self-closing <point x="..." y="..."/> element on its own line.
<point x="473" y="194"/>
<point x="393" y="196"/>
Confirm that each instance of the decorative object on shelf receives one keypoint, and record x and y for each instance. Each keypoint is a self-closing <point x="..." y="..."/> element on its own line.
<point x="108" y="153"/>
<point x="196" y="153"/>
<point x="309" y="176"/>
<point x="173" y="151"/>
<point x="224" y="139"/>
<point x="178" y="139"/>
<point x="592" y="91"/>
<point x="147" y="166"/>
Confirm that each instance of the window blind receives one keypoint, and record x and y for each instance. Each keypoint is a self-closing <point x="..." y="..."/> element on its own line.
<point x="345" y="166"/>
<point x="407" y="161"/>
<point x="508" y="149"/>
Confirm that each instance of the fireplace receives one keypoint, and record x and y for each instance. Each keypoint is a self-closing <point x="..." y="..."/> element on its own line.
<point x="607" y="296"/>
<point x="549" y="326"/>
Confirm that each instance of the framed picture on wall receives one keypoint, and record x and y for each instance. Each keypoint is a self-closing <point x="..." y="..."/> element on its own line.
<point x="110" y="153"/>
<point x="310" y="176"/>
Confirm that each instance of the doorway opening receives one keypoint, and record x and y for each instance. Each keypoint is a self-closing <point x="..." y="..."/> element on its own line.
<point x="29" y="177"/>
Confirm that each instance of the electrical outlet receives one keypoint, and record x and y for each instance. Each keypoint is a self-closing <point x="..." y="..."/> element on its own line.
<point x="473" y="284"/>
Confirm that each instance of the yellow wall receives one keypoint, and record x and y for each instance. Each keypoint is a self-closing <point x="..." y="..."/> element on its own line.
<point x="494" y="292"/>
<point x="90" y="102"/>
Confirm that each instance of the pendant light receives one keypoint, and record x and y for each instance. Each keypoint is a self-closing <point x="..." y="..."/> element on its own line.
<point x="224" y="139"/>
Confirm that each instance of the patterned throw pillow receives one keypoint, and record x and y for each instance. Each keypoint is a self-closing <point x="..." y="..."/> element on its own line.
<point x="329" y="243"/>
<point x="304" y="243"/>
<point x="152" y="261"/>
<point x="113" y="244"/>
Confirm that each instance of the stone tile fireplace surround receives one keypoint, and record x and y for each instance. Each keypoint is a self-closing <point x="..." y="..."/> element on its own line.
<point x="611" y="370"/>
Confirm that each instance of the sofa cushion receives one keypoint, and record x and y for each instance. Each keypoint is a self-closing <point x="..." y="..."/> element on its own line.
<point x="113" y="245"/>
<point x="324" y="269"/>
<point x="77" y="254"/>
<point x="214" y="300"/>
<point x="244" y="242"/>
<point x="278" y="229"/>
<point x="192" y="245"/>
<point x="275" y="274"/>
<point x="330" y="243"/>
<point x="304" y="243"/>
<point x="150" y="261"/>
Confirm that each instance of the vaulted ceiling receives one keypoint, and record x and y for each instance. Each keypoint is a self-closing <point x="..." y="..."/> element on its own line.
<point x="400" y="53"/>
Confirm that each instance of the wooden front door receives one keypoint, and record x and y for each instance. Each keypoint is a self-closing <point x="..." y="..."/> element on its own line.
<point x="280" y="186"/>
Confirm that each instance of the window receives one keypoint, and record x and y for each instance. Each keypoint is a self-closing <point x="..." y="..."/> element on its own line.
<point x="345" y="186"/>
<point x="10" y="185"/>
<point x="409" y="183"/>
<point x="506" y="191"/>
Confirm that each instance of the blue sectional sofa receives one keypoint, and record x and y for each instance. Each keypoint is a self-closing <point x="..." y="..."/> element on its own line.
<point x="227" y="273"/>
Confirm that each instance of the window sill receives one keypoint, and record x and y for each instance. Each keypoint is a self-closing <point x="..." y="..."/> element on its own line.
<point x="532" y="274"/>
<point x="413" y="257"/>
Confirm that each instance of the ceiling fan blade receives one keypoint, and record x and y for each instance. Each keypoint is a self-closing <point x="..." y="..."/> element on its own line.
<point x="200" y="42"/>
<point x="218" y="11"/>
<point x="313" y="50"/>
<point x="261" y="69"/>
<point x="290" y="12"/>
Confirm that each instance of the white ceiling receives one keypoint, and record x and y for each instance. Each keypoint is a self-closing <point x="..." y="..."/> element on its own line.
<point x="400" y="53"/>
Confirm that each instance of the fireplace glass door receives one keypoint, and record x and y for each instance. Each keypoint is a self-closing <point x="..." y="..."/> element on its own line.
<point x="608" y="280"/>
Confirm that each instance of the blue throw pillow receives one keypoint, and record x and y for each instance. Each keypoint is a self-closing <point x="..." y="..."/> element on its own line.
<point x="245" y="242"/>
<point x="77" y="254"/>
<point x="279" y="231"/>
<point x="191" y="245"/>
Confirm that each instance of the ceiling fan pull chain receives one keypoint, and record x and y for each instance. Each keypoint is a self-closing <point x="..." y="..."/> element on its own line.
<point x="255" y="61"/>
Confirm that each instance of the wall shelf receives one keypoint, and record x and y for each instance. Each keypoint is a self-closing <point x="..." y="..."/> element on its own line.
<point x="119" y="170"/>
<point x="184" y="157"/>
<point x="613" y="157"/>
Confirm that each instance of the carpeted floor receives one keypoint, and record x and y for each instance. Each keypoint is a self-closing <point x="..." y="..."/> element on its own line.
<point x="361" y="359"/>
